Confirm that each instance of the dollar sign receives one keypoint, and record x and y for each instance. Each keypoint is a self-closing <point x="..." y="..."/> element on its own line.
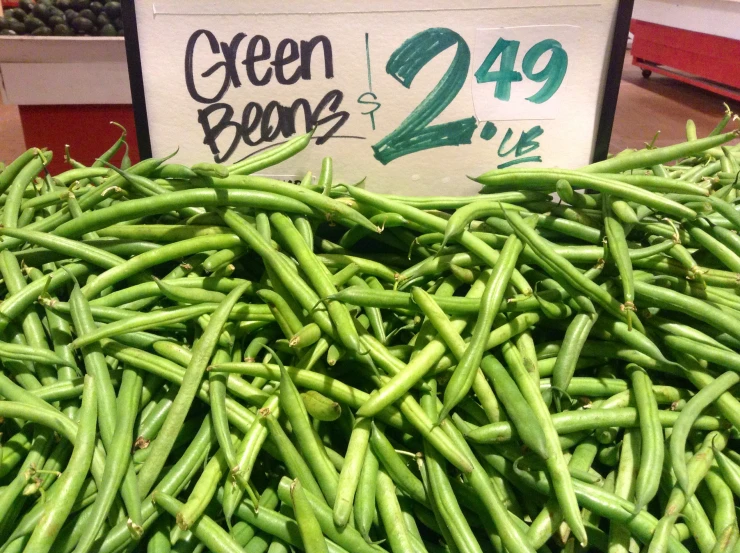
<point x="369" y="98"/>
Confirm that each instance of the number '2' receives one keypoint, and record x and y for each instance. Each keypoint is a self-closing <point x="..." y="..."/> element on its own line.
<point x="414" y="133"/>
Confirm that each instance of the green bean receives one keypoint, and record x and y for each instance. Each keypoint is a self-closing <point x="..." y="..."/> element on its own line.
<point x="525" y="177"/>
<point x="655" y="183"/>
<point x="70" y="248"/>
<point x="8" y="175"/>
<point x="562" y="483"/>
<point x="437" y="224"/>
<point x="28" y="353"/>
<point x="18" y="186"/>
<point x="326" y="385"/>
<point x="202" y="353"/>
<point x="394" y="465"/>
<point x="506" y="389"/>
<point x="618" y="250"/>
<point x="688" y="417"/>
<point x="440" y="492"/>
<point x="659" y="541"/>
<point x="294" y="462"/>
<point x="321" y="407"/>
<point x="722" y="500"/>
<point x="648" y="158"/>
<point x="511" y="536"/>
<point x="667" y="299"/>
<point x="316" y="457"/>
<point x="462" y="378"/>
<point x="651" y="438"/>
<point x="390" y="512"/>
<point x="568" y="271"/>
<point x="730" y="471"/>
<point x="217" y="396"/>
<point x="311" y="532"/>
<point x="367" y="266"/>
<point x="291" y="319"/>
<point x="282" y="267"/>
<point x="205" y="528"/>
<point x="96" y="365"/>
<point x="165" y="202"/>
<point x="246" y="455"/>
<point x="203" y="491"/>
<point x="624" y="487"/>
<point x="364" y="503"/>
<point x="271" y="156"/>
<point x="117" y="461"/>
<point x="59" y="505"/>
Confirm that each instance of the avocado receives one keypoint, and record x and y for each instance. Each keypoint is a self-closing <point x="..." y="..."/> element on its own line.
<point x="69" y="15"/>
<point x="26" y="5"/>
<point x="33" y="23"/>
<point x="18" y="14"/>
<point x="80" y="4"/>
<point x="62" y="29"/>
<point x="55" y="20"/>
<point x="102" y="20"/>
<point x="96" y="7"/>
<point x="118" y="23"/>
<point x="82" y="25"/>
<point x="16" y="26"/>
<point x="113" y="10"/>
<point x="64" y="4"/>
<point x="42" y="31"/>
<point x="41" y="11"/>
<point x="120" y="32"/>
<point x="87" y="14"/>
<point x="108" y="30"/>
<point x="7" y="32"/>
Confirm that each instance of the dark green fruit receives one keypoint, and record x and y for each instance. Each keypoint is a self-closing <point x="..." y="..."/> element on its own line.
<point x="82" y="25"/>
<point x="64" y="4"/>
<point x="26" y="5"/>
<point x="62" y="30"/>
<point x="113" y="9"/>
<point x="96" y="7"/>
<point x="7" y="32"/>
<point x="118" y="23"/>
<point x="41" y="11"/>
<point x="17" y="26"/>
<point x="108" y="30"/>
<point x="3" y="23"/>
<point x="80" y="4"/>
<point x="55" y="20"/>
<point x="18" y="14"/>
<point x="87" y="14"/>
<point x="102" y="20"/>
<point x="69" y="15"/>
<point x="42" y="31"/>
<point x="33" y="23"/>
<point x="120" y="32"/>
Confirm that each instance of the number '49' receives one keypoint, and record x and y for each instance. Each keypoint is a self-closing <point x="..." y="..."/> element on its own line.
<point x="552" y="74"/>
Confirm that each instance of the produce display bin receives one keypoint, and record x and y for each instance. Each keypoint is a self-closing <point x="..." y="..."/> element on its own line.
<point x="68" y="86"/>
<point x="694" y="42"/>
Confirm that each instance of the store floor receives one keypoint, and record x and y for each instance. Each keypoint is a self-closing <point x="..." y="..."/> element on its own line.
<point x="645" y="107"/>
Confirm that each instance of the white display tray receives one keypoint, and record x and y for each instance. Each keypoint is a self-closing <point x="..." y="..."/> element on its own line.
<point x="63" y="71"/>
<point x="713" y="17"/>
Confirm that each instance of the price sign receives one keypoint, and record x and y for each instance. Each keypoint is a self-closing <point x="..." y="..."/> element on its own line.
<point x="412" y="96"/>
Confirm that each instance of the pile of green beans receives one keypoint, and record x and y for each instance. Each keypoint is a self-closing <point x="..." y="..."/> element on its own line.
<point x="195" y="358"/>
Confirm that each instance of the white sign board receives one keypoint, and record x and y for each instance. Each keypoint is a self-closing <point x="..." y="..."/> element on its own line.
<point x="411" y="95"/>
